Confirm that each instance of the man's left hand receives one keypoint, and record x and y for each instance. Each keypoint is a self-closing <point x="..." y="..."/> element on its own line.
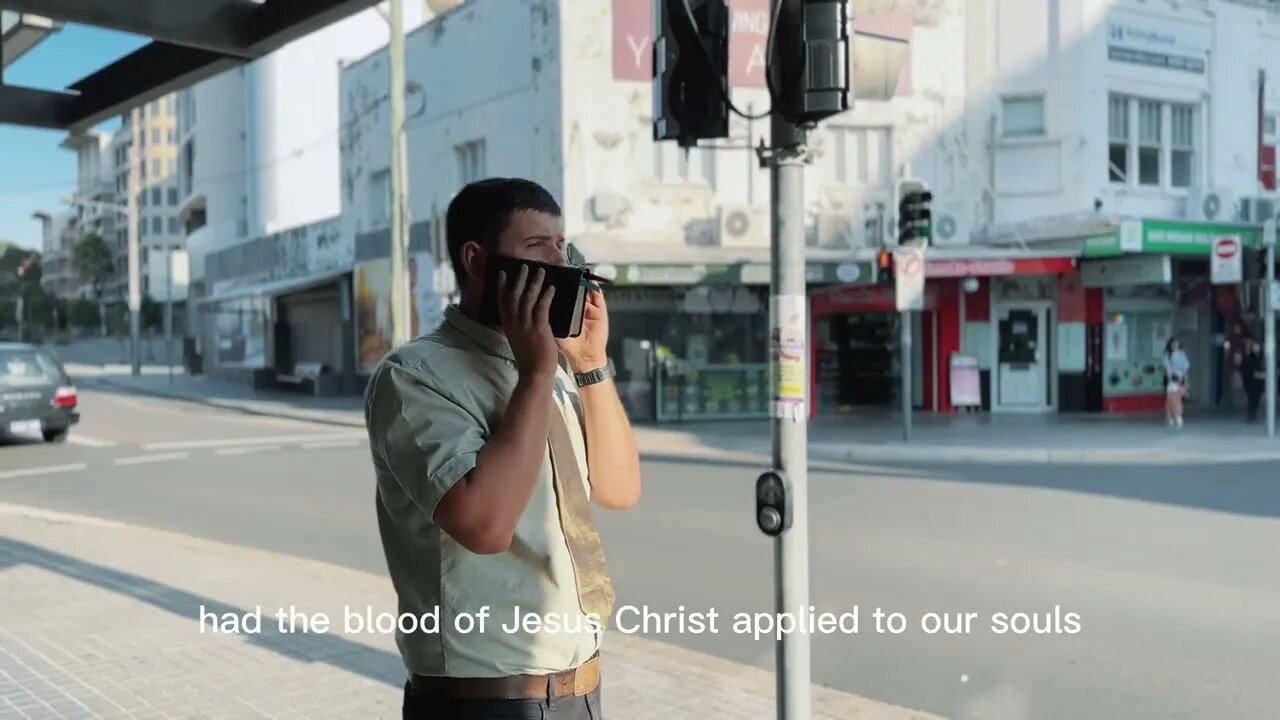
<point x="590" y="350"/>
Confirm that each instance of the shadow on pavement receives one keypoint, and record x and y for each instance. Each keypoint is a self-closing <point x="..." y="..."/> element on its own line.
<point x="333" y="650"/>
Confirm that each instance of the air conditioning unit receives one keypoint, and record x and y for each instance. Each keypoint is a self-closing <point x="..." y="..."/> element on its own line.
<point x="1259" y="208"/>
<point x="743" y="226"/>
<point x="1207" y="204"/>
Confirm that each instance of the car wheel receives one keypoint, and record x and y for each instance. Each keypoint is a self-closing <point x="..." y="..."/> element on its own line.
<point x="55" y="436"/>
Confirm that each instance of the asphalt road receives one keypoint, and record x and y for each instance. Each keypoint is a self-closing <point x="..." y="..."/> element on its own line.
<point x="1171" y="571"/>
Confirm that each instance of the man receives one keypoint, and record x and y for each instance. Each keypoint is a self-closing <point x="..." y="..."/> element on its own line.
<point x="487" y="452"/>
<point x="1254" y="375"/>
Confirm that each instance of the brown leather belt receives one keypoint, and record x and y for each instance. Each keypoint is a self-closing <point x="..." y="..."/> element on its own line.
<point x="577" y="682"/>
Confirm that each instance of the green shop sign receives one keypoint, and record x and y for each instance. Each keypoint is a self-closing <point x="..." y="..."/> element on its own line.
<point x="1167" y="237"/>
<point x="829" y="273"/>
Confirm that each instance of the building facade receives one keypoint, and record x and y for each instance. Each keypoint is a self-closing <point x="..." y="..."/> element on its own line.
<point x="259" y="190"/>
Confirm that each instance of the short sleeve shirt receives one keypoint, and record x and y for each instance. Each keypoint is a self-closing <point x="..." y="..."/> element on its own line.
<point x="429" y="407"/>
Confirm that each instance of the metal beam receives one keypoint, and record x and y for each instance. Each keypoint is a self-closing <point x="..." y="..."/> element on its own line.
<point x="147" y="74"/>
<point x="36" y="108"/>
<point x="217" y="25"/>
<point x="279" y="22"/>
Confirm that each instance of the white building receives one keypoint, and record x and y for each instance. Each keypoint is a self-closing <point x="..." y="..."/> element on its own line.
<point x="259" y="193"/>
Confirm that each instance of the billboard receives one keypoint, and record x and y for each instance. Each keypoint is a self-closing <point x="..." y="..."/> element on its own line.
<point x="748" y="38"/>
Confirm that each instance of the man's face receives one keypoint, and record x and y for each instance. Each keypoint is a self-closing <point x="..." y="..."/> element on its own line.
<point x="533" y="235"/>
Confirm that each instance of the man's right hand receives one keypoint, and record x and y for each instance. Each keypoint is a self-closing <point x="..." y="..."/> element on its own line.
<point x="524" y="307"/>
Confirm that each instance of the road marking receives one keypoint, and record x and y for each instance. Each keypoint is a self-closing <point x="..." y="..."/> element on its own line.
<point x="86" y="441"/>
<point x="236" y="442"/>
<point x="247" y="450"/>
<point x="48" y="470"/>
<point x="332" y="444"/>
<point x="139" y="459"/>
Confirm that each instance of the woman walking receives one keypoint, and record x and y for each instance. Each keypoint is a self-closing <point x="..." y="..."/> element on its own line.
<point x="1176" y="366"/>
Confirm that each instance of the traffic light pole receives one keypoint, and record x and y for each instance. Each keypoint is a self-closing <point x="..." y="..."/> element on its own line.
<point x="1269" y="354"/>
<point x="789" y="320"/>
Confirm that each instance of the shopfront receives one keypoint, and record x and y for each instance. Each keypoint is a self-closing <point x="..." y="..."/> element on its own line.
<point x="691" y="342"/>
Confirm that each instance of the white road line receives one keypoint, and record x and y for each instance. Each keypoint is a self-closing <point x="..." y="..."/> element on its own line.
<point x="333" y="444"/>
<point x="48" y="470"/>
<point x="162" y="457"/>
<point x="248" y="450"/>
<point x="86" y="441"/>
<point x="236" y="442"/>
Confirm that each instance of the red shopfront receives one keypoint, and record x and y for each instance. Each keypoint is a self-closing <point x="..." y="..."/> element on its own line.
<point x="991" y="309"/>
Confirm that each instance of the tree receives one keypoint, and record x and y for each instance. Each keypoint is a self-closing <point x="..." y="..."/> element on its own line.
<point x="20" y="276"/>
<point x="95" y="264"/>
<point x="85" y="313"/>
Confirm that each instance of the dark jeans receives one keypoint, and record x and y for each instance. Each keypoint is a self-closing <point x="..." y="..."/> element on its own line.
<point x="1254" y="393"/>
<point x="437" y="707"/>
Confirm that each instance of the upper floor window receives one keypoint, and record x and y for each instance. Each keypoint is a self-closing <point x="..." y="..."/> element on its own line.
<point x="1152" y="143"/>
<point x="859" y="155"/>
<point x="1022" y="116"/>
<point x="674" y="164"/>
<point x="379" y="209"/>
<point x="471" y="161"/>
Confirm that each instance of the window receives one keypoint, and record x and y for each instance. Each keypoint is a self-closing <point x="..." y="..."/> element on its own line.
<point x="142" y="227"/>
<point x="471" y="161"/>
<point x="859" y="156"/>
<point x="173" y="225"/>
<point x="157" y="225"/>
<point x="1119" y="123"/>
<point x="1152" y="143"/>
<point x="155" y="107"/>
<point x="173" y="197"/>
<point x="380" y="199"/>
<point x="142" y="199"/>
<point x="1022" y="116"/>
<point x="156" y="168"/>
<point x="674" y="164"/>
<point x="173" y="135"/>
<point x="155" y="136"/>
<point x="1271" y="126"/>
<point x="156" y="196"/>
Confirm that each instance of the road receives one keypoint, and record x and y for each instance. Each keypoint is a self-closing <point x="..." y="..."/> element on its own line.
<point x="1170" y="570"/>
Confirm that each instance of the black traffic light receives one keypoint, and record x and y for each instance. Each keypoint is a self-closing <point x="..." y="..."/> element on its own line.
<point x="915" y="219"/>
<point x="773" y="503"/>
<point x="809" y="71"/>
<point x="690" y="70"/>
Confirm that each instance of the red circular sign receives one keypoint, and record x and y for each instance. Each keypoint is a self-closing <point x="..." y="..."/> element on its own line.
<point x="1226" y="248"/>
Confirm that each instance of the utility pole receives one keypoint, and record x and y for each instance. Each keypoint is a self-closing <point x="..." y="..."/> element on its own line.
<point x="168" y="312"/>
<point x="400" y="303"/>
<point x="906" y="368"/>
<point x="790" y="416"/>
<point x="135" y="261"/>
<point x="1269" y="353"/>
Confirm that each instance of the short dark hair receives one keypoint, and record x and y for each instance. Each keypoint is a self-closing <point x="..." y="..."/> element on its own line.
<point x="482" y="210"/>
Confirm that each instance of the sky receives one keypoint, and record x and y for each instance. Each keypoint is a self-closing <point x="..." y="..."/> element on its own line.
<point x="35" y="174"/>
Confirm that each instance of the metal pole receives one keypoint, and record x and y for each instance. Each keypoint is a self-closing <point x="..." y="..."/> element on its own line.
<point x="1269" y="354"/>
<point x="906" y="368"/>
<point x="168" y="314"/>
<point x="790" y="427"/>
<point x="399" y="230"/>
<point x="135" y="267"/>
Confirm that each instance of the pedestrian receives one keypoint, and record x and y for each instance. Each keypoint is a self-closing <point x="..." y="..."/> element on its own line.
<point x="1176" y="366"/>
<point x="1253" y="375"/>
<point x="487" y="454"/>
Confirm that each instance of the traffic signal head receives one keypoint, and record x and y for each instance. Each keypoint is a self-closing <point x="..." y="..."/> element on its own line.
<point x="810" y="65"/>
<point x="915" y="218"/>
<point x="690" y="70"/>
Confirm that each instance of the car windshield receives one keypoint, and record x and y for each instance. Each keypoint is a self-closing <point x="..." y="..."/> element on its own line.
<point x="21" y="368"/>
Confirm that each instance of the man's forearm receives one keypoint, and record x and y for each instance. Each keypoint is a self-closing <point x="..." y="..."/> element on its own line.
<point x="613" y="462"/>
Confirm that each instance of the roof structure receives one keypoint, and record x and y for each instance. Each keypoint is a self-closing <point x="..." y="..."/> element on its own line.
<point x="189" y="41"/>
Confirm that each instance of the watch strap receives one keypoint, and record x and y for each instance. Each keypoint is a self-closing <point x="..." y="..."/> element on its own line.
<point x="591" y="377"/>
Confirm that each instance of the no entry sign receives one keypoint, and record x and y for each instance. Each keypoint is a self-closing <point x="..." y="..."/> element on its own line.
<point x="1227" y="262"/>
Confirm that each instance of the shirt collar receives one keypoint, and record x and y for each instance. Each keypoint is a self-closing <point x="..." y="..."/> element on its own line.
<point x="488" y="339"/>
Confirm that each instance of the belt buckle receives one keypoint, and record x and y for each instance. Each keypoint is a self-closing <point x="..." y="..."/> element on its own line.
<point x="586" y="678"/>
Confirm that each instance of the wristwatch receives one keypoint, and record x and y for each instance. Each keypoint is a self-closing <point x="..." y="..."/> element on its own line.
<point x="591" y="377"/>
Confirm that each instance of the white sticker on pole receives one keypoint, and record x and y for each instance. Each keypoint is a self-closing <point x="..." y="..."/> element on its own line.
<point x="789" y="346"/>
<point x="1226" y="265"/>
<point x="908" y="278"/>
<point x="1275" y="296"/>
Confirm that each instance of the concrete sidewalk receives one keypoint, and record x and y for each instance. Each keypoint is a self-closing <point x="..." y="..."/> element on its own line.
<point x="985" y="438"/>
<point x="102" y="620"/>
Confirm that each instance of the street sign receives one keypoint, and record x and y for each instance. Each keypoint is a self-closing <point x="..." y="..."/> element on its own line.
<point x="908" y="274"/>
<point x="1226" y="264"/>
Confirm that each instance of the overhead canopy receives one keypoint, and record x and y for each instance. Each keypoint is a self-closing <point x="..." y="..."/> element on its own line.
<point x="190" y="40"/>
<point x="19" y="32"/>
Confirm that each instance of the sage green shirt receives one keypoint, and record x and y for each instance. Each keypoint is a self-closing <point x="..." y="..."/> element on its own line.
<point x="429" y="407"/>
